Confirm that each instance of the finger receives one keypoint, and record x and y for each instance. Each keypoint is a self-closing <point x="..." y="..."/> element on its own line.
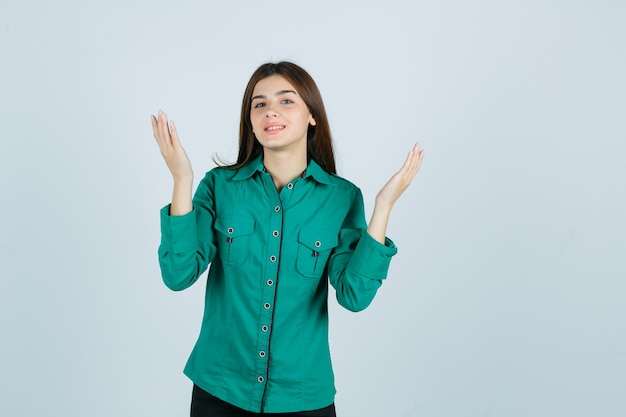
<point x="156" y="131"/>
<point x="163" y="129"/>
<point x="409" y="159"/>
<point x="174" y="134"/>
<point x="413" y="161"/>
<point x="153" y="121"/>
<point x="409" y="163"/>
<point x="157" y="126"/>
<point x="418" y="154"/>
<point x="417" y="162"/>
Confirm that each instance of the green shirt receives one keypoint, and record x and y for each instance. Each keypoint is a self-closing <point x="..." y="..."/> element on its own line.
<point x="263" y="345"/>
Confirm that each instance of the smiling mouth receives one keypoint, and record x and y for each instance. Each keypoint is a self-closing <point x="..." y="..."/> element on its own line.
<point x="274" y="128"/>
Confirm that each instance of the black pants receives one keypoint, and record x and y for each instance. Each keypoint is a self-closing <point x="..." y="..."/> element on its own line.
<point x="204" y="404"/>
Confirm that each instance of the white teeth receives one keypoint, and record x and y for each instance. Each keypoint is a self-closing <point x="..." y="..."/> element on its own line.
<point x="275" y="128"/>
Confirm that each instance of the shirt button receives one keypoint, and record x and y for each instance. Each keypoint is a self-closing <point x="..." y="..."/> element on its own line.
<point x="230" y="230"/>
<point x="270" y="282"/>
<point x="260" y="379"/>
<point x="265" y="328"/>
<point x="262" y="354"/>
<point x="317" y="243"/>
<point x="275" y="233"/>
<point x="290" y="186"/>
<point x="277" y="209"/>
<point x="267" y="306"/>
<point x="273" y="258"/>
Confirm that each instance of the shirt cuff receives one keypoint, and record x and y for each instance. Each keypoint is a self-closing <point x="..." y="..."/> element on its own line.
<point x="178" y="233"/>
<point x="371" y="259"/>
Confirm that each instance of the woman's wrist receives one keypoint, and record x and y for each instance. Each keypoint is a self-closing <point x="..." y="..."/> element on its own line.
<point x="181" y="198"/>
<point x="377" y="227"/>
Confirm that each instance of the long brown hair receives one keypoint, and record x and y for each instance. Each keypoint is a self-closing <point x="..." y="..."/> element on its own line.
<point x="319" y="140"/>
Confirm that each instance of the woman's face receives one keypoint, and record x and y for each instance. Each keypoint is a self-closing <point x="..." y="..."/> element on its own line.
<point x="280" y="118"/>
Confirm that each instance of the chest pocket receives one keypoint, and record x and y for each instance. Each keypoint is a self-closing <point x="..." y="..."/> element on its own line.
<point x="234" y="239"/>
<point x="314" y="247"/>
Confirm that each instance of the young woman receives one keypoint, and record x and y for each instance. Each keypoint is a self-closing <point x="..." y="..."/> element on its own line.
<point x="276" y="227"/>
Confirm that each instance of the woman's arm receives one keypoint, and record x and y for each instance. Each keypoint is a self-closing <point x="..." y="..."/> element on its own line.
<point x="389" y="194"/>
<point x="187" y="242"/>
<point x="359" y="264"/>
<point x="177" y="162"/>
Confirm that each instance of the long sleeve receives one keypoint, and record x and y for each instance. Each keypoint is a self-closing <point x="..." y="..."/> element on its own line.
<point x="188" y="242"/>
<point x="359" y="263"/>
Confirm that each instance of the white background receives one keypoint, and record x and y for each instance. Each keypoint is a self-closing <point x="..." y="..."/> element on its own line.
<point x="507" y="296"/>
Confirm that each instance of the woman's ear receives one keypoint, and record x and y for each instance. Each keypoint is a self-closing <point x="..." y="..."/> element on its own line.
<point x="312" y="122"/>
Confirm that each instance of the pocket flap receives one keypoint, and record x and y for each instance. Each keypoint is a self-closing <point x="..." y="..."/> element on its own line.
<point x="234" y="226"/>
<point x="318" y="240"/>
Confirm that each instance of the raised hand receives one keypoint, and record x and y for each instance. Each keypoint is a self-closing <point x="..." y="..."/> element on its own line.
<point x="172" y="151"/>
<point x="389" y="194"/>
<point x="400" y="181"/>
<point x="177" y="162"/>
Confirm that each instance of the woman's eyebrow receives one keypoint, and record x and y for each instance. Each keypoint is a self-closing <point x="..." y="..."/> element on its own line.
<point x="278" y="93"/>
<point x="281" y="92"/>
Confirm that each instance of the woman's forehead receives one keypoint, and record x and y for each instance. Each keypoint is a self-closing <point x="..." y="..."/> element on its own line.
<point x="271" y="85"/>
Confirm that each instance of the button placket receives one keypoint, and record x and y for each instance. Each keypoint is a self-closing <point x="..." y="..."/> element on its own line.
<point x="266" y="315"/>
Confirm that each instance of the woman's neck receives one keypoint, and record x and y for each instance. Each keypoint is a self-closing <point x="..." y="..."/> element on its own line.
<point x="284" y="166"/>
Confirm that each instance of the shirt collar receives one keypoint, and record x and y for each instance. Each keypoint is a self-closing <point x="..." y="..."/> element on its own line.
<point x="313" y="170"/>
<point x="250" y="168"/>
<point x="316" y="171"/>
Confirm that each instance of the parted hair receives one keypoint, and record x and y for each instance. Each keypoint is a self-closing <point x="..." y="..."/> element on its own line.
<point x="319" y="140"/>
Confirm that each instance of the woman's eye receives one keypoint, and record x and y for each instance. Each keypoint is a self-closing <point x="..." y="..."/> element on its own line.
<point x="287" y="101"/>
<point x="259" y="105"/>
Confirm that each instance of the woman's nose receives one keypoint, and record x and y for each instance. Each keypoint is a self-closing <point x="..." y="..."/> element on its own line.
<point x="270" y="111"/>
